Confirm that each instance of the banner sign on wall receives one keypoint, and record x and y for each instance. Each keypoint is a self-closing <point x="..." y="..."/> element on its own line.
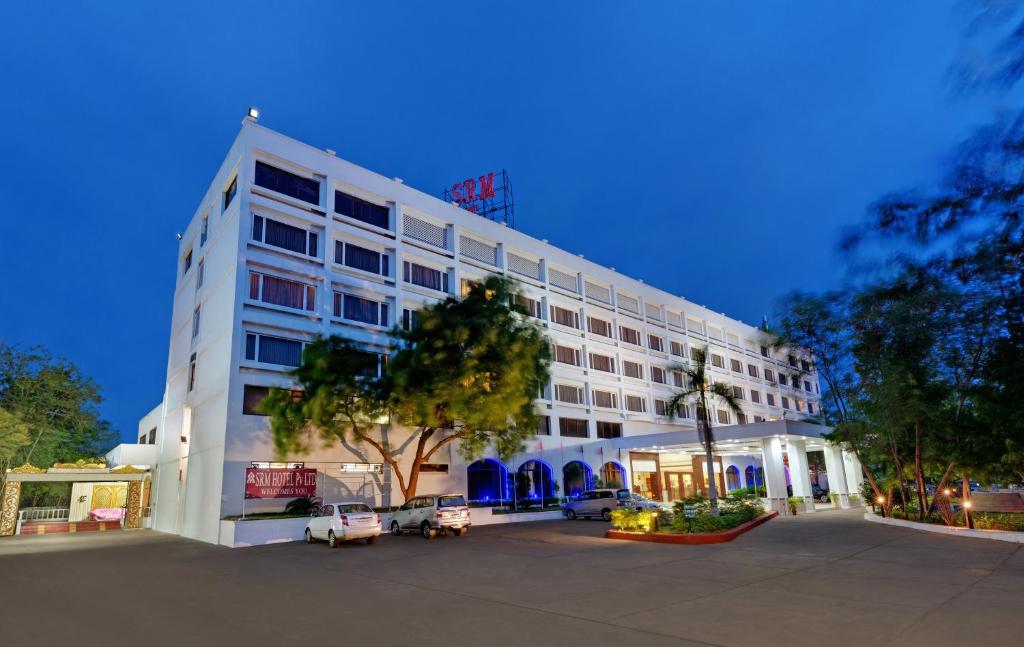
<point x="362" y="468"/>
<point x="263" y="483"/>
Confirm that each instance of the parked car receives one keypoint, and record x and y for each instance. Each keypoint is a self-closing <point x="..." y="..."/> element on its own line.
<point x="432" y="514"/>
<point x="592" y="503"/>
<point x="345" y="521"/>
<point x="820" y="494"/>
<point x="635" y="501"/>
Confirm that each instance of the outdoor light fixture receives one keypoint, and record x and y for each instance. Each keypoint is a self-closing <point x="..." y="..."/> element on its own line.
<point x="881" y="499"/>
<point x="967" y="504"/>
<point x="947" y="491"/>
<point x="254" y="112"/>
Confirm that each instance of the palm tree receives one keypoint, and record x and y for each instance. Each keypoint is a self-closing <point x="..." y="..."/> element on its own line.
<point x="699" y="389"/>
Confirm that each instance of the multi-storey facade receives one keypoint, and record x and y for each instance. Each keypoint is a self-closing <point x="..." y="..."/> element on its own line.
<point x="291" y="241"/>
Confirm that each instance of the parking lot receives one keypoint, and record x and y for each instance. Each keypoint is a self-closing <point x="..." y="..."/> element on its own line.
<point x="823" y="579"/>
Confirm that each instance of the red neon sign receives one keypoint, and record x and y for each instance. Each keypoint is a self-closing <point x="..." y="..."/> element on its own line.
<point x="469" y="193"/>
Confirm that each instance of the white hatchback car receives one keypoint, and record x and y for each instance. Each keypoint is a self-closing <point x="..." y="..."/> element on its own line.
<point x="430" y="514"/>
<point x="344" y="521"/>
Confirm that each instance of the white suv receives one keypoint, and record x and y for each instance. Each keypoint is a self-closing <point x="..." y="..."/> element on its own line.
<point x="430" y="514"/>
<point x="344" y="521"/>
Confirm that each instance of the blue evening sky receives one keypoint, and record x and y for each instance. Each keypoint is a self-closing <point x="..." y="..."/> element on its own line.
<point x="713" y="149"/>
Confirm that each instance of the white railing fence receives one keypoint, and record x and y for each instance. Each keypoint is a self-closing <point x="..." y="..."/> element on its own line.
<point x="41" y="514"/>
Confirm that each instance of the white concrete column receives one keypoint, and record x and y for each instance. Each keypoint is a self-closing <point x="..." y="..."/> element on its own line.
<point x="774" y="476"/>
<point x="799" y="471"/>
<point x="854" y="473"/>
<point x="836" y="474"/>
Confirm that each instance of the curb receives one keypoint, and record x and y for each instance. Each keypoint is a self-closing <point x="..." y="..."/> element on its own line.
<point x="694" y="538"/>
<point x="997" y="535"/>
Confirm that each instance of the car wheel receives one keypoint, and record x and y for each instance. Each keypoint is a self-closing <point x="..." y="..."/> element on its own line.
<point x="457" y="531"/>
<point x="425" y="530"/>
<point x="309" y="536"/>
<point x="570" y="514"/>
<point x="396" y="530"/>
<point x="369" y="540"/>
<point x="606" y="514"/>
<point x="332" y="541"/>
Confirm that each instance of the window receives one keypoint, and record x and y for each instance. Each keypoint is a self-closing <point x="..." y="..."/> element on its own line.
<point x="807" y="386"/>
<point x="799" y="405"/>
<point x="661" y="407"/>
<point x="770" y="397"/>
<point x="361" y="210"/>
<point x="678" y="379"/>
<point x="782" y="379"/>
<point x="361" y="258"/>
<point x="374" y="363"/>
<point x="805" y="366"/>
<point x="425" y="276"/>
<point x="792" y="360"/>
<point x="466" y="286"/>
<point x="769" y="375"/>
<point x="717" y="360"/>
<point x="543" y="426"/>
<point x="737" y="392"/>
<point x="752" y="370"/>
<point x="289" y="184"/>
<point x="409" y="319"/>
<point x="282" y="292"/>
<point x="229" y="193"/>
<point x="609" y="429"/>
<point x="629" y="335"/>
<point x="683" y="411"/>
<point x="632" y="369"/>
<point x="204" y="230"/>
<point x="191" y="372"/>
<point x="605" y="399"/>
<point x="186" y="262"/>
<point x="810" y="407"/>
<point x="656" y="343"/>
<point x="602" y="363"/>
<point x="736" y="366"/>
<point x="658" y="375"/>
<point x="764" y="351"/>
<point x="723" y="416"/>
<point x="353" y="308"/>
<point x="785" y="402"/>
<point x="599" y="327"/>
<point x="268" y="349"/>
<point x="676" y="349"/>
<point x="636" y="403"/>
<point x="566" y="355"/>
<point x="758" y="418"/>
<point x="696" y="354"/>
<point x="569" y="394"/>
<point x="755" y="396"/>
<point x="573" y="428"/>
<point x="200" y="273"/>
<point x="741" y="418"/>
<point x="532" y="306"/>
<point x="565" y="317"/>
<point x="252" y="398"/>
<point x="152" y="436"/>
<point x="277" y="234"/>
<point x="195" y="322"/>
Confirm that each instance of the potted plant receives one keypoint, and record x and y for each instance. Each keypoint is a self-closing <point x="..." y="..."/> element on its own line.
<point x="795" y="502"/>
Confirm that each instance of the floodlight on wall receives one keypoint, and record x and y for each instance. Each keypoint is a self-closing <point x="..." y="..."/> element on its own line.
<point x="254" y="113"/>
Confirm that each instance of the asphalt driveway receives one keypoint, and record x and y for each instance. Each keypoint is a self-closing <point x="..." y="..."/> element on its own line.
<point x="819" y="580"/>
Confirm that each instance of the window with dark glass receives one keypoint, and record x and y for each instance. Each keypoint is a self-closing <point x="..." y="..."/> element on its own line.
<point x="532" y="306"/>
<point x="278" y="234"/>
<point x="425" y="276"/>
<point x="636" y="403"/>
<point x="192" y="372"/>
<point x="599" y="327"/>
<point x="602" y="363"/>
<point x="543" y="426"/>
<point x="187" y="262"/>
<point x="764" y="351"/>
<point x="409" y="319"/>
<point x="676" y="349"/>
<point x="205" y="230"/>
<point x="229" y="193"/>
<point x="289" y="184"/>
<point x="282" y="292"/>
<point x="573" y="428"/>
<point x="360" y="258"/>
<point x="633" y="369"/>
<point x="566" y="355"/>
<point x="565" y="317"/>
<point x="609" y="429"/>
<point x="656" y="343"/>
<point x="356" y="308"/>
<point x="605" y="399"/>
<point x="629" y="335"/>
<point x="268" y="349"/>
<point x="658" y="375"/>
<point x="353" y="207"/>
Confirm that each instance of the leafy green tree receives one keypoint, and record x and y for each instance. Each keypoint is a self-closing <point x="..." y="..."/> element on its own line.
<point x="702" y="392"/>
<point x="467" y="372"/>
<point x="48" y="411"/>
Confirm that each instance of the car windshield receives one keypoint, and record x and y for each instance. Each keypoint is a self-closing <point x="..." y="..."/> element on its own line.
<point x="354" y="507"/>
<point x="448" y="501"/>
<point x="622" y="494"/>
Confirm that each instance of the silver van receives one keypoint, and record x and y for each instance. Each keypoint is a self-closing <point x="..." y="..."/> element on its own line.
<point x="593" y="503"/>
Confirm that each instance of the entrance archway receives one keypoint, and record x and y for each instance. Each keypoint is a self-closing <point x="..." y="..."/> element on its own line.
<point x="613" y="475"/>
<point x="488" y="480"/>
<point x="577" y="477"/>
<point x="535" y="480"/>
<point x="732" y="478"/>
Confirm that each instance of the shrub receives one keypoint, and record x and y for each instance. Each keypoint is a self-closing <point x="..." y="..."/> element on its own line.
<point x="632" y="520"/>
<point x="699" y="502"/>
<point x="750" y="491"/>
<point x="998" y="521"/>
<point x="302" y="506"/>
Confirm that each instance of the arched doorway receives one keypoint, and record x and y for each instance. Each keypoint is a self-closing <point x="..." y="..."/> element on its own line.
<point x="488" y="480"/>
<point x="732" y="478"/>
<point x="535" y="480"/>
<point x="577" y="477"/>
<point x="613" y="475"/>
<point x="748" y="475"/>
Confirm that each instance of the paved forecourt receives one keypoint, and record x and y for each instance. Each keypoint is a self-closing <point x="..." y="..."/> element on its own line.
<point x="824" y="579"/>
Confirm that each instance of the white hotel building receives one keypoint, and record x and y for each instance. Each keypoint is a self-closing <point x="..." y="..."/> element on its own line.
<point x="291" y="241"/>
